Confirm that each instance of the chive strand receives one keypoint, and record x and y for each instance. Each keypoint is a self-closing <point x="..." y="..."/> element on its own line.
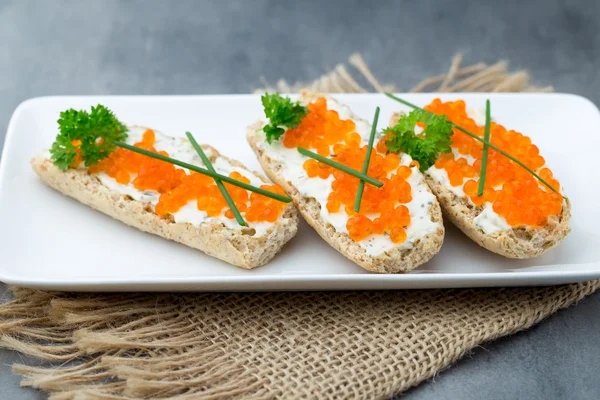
<point x="361" y="184"/>
<point x="474" y="136"/>
<point x="484" y="157"/>
<point x="214" y="175"/>
<point x="499" y="150"/>
<point x="339" y="166"/>
<point x="218" y="182"/>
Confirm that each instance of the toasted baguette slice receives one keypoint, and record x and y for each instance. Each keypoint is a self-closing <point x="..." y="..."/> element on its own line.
<point x="517" y="242"/>
<point x="240" y="247"/>
<point x="399" y="259"/>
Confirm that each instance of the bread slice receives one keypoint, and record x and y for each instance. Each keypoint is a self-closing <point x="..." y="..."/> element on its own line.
<point x="240" y="247"/>
<point x="517" y="242"/>
<point x="400" y="259"/>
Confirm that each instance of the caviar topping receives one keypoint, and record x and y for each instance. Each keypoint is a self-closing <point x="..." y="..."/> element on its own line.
<point x="511" y="190"/>
<point x="382" y="210"/>
<point x="177" y="188"/>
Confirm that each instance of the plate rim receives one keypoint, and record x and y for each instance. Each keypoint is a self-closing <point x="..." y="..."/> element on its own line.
<point x="443" y="278"/>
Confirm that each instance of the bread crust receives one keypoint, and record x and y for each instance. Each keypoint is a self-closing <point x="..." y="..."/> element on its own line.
<point x="396" y="260"/>
<point x="238" y="248"/>
<point x="520" y="242"/>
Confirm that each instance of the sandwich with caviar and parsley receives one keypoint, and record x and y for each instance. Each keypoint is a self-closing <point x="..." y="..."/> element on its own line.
<point x="492" y="182"/>
<point x="171" y="187"/>
<point x="374" y="207"/>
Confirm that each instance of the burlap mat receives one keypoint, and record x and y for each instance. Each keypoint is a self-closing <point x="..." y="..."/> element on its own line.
<point x="271" y="345"/>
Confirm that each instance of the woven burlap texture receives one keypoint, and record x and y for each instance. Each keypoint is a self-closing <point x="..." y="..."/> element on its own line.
<point x="363" y="345"/>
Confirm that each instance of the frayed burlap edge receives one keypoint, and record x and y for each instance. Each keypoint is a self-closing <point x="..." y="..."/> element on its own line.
<point x="272" y="345"/>
<point x="473" y="78"/>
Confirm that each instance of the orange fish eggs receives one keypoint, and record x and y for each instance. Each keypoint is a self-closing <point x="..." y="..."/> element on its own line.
<point x="177" y="188"/>
<point x="323" y="130"/>
<point x="513" y="192"/>
<point x="360" y="227"/>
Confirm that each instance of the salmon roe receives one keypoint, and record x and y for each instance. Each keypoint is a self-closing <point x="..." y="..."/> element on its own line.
<point x="177" y="188"/>
<point x="381" y="209"/>
<point x="513" y="192"/>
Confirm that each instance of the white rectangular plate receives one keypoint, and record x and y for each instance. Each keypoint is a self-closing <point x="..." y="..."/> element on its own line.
<point x="53" y="242"/>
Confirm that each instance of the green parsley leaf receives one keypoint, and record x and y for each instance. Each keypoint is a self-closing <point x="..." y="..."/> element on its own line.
<point x="426" y="146"/>
<point x="92" y="133"/>
<point x="282" y="112"/>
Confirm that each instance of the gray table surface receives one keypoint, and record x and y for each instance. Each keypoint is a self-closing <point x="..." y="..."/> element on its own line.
<point x="196" y="47"/>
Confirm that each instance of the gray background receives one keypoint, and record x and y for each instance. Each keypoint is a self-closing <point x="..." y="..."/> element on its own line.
<point x="186" y="47"/>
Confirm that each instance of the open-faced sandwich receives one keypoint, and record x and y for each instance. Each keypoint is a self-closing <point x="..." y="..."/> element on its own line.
<point x="375" y="208"/>
<point x="491" y="182"/>
<point x="154" y="182"/>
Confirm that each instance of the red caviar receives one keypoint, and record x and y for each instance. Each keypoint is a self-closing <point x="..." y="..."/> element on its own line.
<point x="513" y="192"/>
<point x="381" y="209"/>
<point x="177" y="188"/>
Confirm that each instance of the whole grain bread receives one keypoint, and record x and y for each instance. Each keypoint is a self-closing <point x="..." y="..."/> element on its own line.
<point x="241" y="248"/>
<point x="518" y="242"/>
<point x="395" y="260"/>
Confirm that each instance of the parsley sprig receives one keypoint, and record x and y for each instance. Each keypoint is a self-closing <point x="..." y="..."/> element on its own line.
<point x="426" y="146"/>
<point x="282" y="113"/>
<point x="91" y="135"/>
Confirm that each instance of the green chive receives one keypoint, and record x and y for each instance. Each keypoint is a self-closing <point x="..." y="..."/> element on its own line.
<point x="486" y="137"/>
<point x="411" y="105"/>
<point x="339" y="166"/>
<point x="220" y="185"/>
<point x="203" y="171"/>
<point x="361" y="184"/>
<point x="474" y="136"/>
